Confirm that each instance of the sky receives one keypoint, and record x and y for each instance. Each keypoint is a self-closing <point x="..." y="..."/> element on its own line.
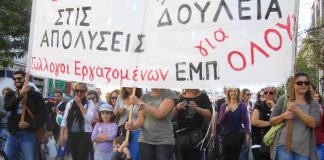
<point x="305" y="15"/>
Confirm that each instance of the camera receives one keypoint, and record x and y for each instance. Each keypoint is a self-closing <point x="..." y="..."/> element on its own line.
<point x="186" y="103"/>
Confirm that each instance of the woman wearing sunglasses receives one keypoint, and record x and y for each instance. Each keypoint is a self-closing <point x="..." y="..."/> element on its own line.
<point x="113" y="97"/>
<point x="305" y="115"/>
<point x="78" y="115"/>
<point x="260" y="124"/>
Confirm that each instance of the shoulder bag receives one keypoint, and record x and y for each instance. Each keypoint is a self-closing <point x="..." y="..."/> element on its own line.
<point x="271" y="134"/>
<point x="41" y="136"/>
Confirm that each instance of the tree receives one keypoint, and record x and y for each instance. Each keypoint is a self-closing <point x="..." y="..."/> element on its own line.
<point x="313" y="45"/>
<point x="305" y="63"/>
<point x="14" y="30"/>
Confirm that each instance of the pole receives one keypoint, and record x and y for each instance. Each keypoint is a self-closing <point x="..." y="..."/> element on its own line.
<point x="291" y="98"/>
<point x="130" y="115"/>
<point x="24" y="101"/>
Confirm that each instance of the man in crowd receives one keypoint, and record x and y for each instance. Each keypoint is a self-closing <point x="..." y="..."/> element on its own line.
<point x="22" y="133"/>
<point x="57" y="109"/>
<point x="101" y="101"/>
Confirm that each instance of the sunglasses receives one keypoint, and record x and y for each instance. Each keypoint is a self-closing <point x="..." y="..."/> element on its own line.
<point x="79" y="91"/>
<point x="17" y="78"/>
<point x="268" y="93"/>
<point x="300" y="83"/>
<point x="113" y="98"/>
<point x="248" y="94"/>
<point x="92" y="98"/>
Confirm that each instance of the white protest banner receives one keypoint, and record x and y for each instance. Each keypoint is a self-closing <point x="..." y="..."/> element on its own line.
<point x="164" y="44"/>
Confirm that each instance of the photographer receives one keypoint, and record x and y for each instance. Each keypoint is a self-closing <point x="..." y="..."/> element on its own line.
<point x="193" y="109"/>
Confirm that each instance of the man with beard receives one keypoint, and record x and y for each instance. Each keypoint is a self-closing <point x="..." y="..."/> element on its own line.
<point x="22" y="137"/>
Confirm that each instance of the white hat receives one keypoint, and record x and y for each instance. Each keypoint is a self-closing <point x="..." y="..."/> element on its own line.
<point x="106" y="107"/>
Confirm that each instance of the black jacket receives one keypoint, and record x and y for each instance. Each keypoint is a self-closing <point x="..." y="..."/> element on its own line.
<point x="36" y="105"/>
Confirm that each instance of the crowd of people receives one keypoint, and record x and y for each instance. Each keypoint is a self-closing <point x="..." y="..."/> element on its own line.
<point x="164" y="124"/>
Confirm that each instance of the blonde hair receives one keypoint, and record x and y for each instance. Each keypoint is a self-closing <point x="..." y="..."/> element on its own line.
<point x="228" y="98"/>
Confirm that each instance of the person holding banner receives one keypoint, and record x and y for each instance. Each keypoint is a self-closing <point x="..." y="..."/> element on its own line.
<point x="122" y="110"/>
<point x="235" y="132"/>
<point x="305" y="115"/>
<point x="78" y="115"/>
<point x="193" y="109"/>
<point x="22" y="137"/>
<point x="157" y="139"/>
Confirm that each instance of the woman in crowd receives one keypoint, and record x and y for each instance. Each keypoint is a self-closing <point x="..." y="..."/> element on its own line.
<point x="320" y="129"/>
<point x="113" y="97"/>
<point x="233" y="115"/>
<point x="260" y="124"/>
<point x="122" y="110"/>
<point x="157" y="139"/>
<point x="93" y="96"/>
<point x="245" y="97"/>
<point x="260" y="97"/>
<point x="193" y="109"/>
<point x="77" y="119"/>
<point x="305" y="115"/>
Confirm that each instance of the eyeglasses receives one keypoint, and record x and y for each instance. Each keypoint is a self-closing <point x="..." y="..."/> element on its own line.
<point x="268" y="93"/>
<point x="300" y="83"/>
<point x="79" y="91"/>
<point x="113" y="98"/>
<point x="92" y="98"/>
<point x="17" y="78"/>
<point x="248" y="94"/>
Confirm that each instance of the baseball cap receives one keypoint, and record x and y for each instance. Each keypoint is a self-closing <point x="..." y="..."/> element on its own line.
<point x="106" y="107"/>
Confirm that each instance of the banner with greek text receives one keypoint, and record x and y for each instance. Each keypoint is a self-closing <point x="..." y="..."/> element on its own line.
<point x="164" y="43"/>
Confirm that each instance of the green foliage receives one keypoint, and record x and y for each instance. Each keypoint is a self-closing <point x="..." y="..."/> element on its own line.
<point x="14" y="29"/>
<point x="313" y="45"/>
<point x="305" y="63"/>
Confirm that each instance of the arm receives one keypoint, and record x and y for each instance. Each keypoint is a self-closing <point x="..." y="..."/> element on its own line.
<point x="11" y="101"/>
<point x="222" y="114"/>
<point x="256" y="121"/>
<point x="2" y="111"/>
<point x="113" y="134"/>
<point x="63" y="130"/>
<point x="118" y="111"/>
<point x="311" y="120"/>
<point x="205" y="108"/>
<point x="160" y="112"/>
<point x="127" y="153"/>
<point x="88" y="113"/>
<point x="140" y="120"/>
<point x="245" y="119"/>
<point x="42" y="114"/>
<point x="276" y="115"/>
<point x="94" y="134"/>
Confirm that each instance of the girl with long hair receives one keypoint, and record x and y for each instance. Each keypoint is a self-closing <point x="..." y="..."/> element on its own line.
<point x="121" y="110"/>
<point x="304" y="113"/>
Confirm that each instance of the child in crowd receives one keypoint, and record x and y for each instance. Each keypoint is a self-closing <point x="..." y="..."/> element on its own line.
<point x="120" y="149"/>
<point x="104" y="132"/>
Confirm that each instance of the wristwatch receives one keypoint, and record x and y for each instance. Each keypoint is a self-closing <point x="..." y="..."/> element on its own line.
<point x="141" y="105"/>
